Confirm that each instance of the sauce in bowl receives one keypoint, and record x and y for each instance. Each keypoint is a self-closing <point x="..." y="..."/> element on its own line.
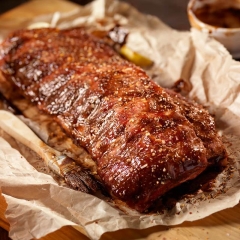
<point x="219" y="17"/>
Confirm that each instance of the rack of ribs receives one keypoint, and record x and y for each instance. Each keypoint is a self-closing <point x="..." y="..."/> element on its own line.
<point x="144" y="140"/>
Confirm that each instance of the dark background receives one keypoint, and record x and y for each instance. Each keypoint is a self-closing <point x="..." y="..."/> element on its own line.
<point x="172" y="12"/>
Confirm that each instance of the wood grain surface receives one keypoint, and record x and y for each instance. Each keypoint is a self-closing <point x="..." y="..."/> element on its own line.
<point x="222" y="225"/>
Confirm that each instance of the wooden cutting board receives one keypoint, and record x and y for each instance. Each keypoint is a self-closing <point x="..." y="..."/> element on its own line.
<point x="222" y="225"/>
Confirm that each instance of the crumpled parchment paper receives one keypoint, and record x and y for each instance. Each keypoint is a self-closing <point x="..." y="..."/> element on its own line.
<point x="37" y="205"/>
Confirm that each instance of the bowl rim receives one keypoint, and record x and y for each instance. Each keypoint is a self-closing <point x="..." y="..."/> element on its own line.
<point x="204" y="25"/>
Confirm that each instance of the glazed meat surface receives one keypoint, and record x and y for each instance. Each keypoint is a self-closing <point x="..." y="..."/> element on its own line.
<point x="141" y="139"/>
<point x="204" y="126"/>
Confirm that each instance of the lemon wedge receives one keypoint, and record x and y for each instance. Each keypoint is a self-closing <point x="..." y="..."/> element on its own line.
<point x="135" y="57"/>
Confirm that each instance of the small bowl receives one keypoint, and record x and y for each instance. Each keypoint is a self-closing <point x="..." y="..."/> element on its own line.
<point x="229" y="37"/>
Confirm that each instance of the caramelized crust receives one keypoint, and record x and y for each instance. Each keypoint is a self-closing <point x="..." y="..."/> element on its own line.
<point x="204" y="126"/>
<point x="141" y="139"/>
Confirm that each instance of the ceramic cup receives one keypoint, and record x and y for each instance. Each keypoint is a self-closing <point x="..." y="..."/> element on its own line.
<point x="228" y="36"/>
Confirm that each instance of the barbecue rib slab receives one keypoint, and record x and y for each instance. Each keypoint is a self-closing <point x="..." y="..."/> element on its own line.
<point x="140" y="138"/>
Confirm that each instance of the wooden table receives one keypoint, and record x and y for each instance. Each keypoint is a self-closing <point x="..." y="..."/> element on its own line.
<point x="222" y="225"/>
